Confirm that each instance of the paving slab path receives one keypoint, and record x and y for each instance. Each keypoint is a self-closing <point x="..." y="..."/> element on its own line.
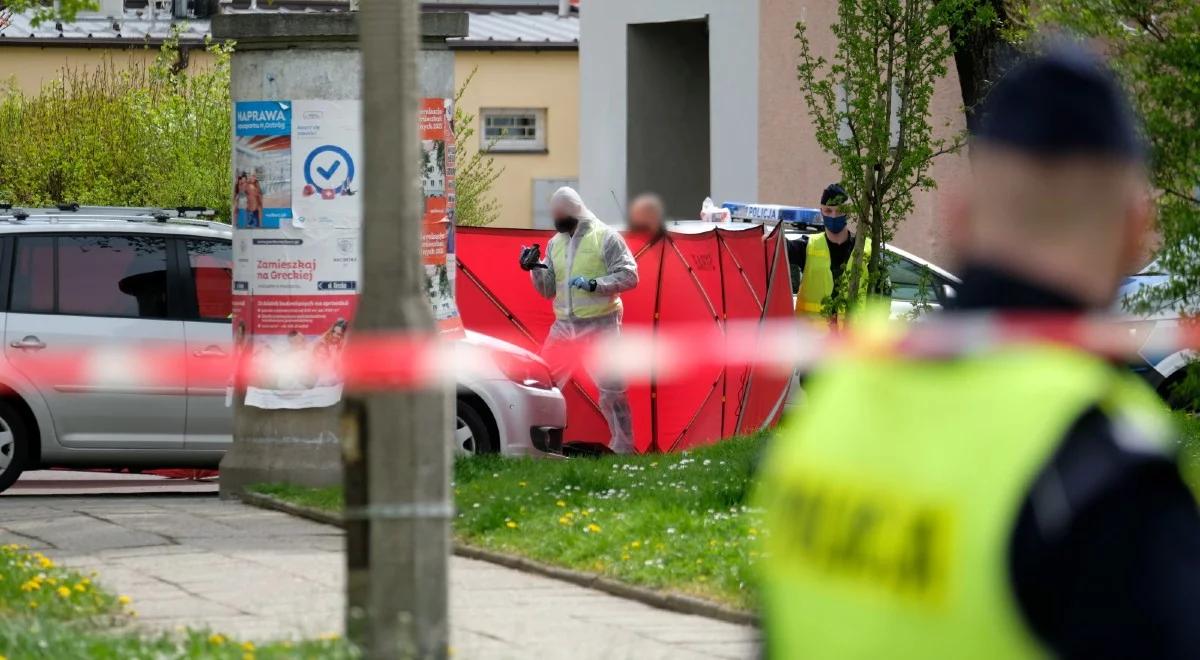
<point x="189" y="560"/>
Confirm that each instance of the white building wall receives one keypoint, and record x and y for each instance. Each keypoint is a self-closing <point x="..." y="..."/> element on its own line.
<point x="733" y="84"/>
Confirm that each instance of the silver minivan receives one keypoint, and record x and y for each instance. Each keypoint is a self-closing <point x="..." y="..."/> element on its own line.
<point x="72" y="278"/>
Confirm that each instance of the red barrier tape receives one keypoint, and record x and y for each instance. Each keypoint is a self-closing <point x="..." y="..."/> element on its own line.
<point x="398" y="361"/>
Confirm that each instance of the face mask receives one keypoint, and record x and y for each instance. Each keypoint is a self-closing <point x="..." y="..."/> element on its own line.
<point x="834" y="224"/>
<point x="565" y="225"/>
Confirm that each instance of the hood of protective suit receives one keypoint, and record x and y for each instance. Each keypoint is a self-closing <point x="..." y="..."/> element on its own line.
<point x="565" y="200"/>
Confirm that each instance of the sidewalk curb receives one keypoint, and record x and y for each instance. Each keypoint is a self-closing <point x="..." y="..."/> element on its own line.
<point x="267" y="502"/>
<point x="673" y="602"/>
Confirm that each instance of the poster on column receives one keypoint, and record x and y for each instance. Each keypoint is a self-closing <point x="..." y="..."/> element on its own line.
<point x="301" y="273"/>
<point x="438" y="154"/>
<point x="297" y="277"/>
<point x="262" y="163"/>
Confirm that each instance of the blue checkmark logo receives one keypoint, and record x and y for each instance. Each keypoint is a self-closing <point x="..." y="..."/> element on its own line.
<point x="330" y="170"/>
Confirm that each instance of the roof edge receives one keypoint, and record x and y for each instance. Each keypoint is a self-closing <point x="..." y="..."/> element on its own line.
<point x="512" y="45"/>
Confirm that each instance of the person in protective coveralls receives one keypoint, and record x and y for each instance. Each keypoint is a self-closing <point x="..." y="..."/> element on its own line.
<point x="587" y="267"/>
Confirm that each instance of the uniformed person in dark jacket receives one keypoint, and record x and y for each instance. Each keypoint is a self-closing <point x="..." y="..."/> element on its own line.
<point x="1019" y="502"/>
<point x="823" y="258"/>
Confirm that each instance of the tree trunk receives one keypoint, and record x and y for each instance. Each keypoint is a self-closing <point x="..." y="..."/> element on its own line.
<point x="981" y="55"/>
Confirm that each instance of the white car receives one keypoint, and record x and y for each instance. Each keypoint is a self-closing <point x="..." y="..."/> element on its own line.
<point x="914" y="280"/>
<point x="74" y="277"/>
<point x="511" y="408"/>
<point x="1163" y="370"/>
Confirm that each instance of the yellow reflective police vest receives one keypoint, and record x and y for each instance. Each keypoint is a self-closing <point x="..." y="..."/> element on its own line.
<point x="817" y="282"/>
<point x="587" y="262"/>
<point x="890" y="499"/>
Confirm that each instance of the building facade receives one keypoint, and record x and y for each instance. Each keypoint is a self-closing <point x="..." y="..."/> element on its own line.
<point x="116" y="34"/>
<point x="692" y="98"/>
<point x="523" y="67"/>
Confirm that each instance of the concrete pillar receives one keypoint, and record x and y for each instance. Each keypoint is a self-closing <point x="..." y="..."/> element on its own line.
<point x="307" y="56"/>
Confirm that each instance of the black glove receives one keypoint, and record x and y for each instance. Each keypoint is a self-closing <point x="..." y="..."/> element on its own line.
<point x="531" y="257"/>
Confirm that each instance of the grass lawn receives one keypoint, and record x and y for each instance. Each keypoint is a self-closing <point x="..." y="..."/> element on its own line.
<point x="47" y="611"/>
<point x="674" y="521"/>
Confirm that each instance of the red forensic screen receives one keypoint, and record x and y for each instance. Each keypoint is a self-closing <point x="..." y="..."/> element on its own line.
<point x="715" y="276"/>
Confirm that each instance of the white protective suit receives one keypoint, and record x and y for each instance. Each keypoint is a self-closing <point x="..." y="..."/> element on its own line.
<point x="622" y="276"/>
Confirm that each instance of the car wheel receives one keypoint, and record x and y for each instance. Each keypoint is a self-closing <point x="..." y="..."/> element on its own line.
<point x="471" y="432"/>
<point x="14" y="445"/>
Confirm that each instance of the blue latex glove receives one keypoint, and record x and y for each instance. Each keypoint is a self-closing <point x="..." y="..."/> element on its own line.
<point x="582" y="283"/>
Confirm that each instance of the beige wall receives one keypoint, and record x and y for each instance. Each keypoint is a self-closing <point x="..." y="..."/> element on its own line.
<point x="525" y="79"/>
<point x="793" y="169"/>
<point x="28" y="68"/>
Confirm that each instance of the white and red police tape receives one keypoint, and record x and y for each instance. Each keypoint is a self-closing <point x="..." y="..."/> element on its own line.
<point x="639" y="355"/>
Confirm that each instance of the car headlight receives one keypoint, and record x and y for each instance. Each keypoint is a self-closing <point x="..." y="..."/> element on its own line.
<point x="526" y="371"/>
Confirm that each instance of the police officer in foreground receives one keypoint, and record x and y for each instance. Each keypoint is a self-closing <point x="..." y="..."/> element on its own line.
<point x="1014" y="503"/>
<point x="823" y="257"/>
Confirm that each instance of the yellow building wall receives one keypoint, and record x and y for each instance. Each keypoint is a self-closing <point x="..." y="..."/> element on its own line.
<point x="524" y="79"/>
<point x="28" y="68"/>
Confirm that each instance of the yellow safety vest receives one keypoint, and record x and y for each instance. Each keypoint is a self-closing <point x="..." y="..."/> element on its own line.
<point x="889" y="521"/>
<point x="587" y="262"/>
<point x="817" y="282"/>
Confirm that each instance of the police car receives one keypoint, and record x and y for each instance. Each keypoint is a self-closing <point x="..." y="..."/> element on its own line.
<point x="909" y="274"/>
<point x="915" y="282"/>
<point x="1164" y="370"/>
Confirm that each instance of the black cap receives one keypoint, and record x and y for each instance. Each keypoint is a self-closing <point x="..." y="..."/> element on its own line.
<point x="1064" y="101"/>
<point x="834" y="195"/>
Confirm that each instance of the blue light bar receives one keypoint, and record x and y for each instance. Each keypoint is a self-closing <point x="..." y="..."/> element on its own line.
<point x="797" y="215"/>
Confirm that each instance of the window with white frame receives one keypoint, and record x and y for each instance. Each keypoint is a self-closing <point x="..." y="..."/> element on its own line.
<point x="512" y="129"/>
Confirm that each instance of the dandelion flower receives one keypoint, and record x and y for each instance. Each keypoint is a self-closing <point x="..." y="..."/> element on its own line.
<point x="216" y="639"/>
<point x="63" y="592"/>
<point x="511" y="524"/>
<point x="33" y="605"/>
<point x="635" y="544"/>
<point x="124" y="600"/>
<point x="563" y="520"/>
<point x="247" y="646"/>
<point x="560" y="503"/>
<point x="593" y="528"/>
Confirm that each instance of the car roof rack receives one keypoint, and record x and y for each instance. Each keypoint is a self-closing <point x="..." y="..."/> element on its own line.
<point x="127" y="213"/>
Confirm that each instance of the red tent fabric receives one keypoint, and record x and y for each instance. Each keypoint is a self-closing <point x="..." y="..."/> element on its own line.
<point x="714" y="276"/>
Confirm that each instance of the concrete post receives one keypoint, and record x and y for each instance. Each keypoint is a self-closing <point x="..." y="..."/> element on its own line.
<point x="307" y="56"/>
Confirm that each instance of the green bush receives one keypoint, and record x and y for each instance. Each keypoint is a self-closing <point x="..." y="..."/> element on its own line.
<point x="135" y="135"/>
